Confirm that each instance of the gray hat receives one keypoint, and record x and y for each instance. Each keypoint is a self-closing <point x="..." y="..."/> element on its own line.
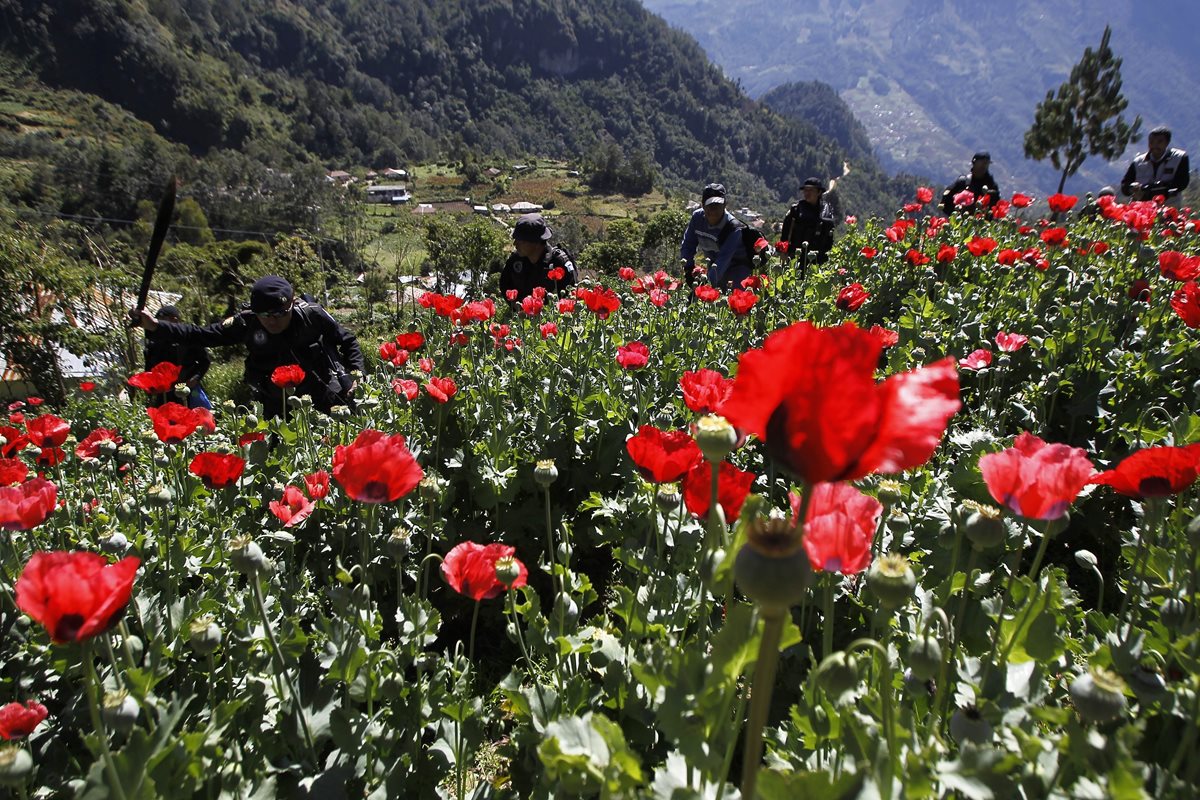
<point x="532" y="228"/>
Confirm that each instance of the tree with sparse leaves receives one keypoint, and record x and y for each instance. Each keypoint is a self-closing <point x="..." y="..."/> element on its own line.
<point x="1084" y="116"/>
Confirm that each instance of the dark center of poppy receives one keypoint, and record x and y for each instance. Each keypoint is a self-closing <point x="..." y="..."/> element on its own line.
<point x="67" y="629"/>
<point x="1154" y="486"/>
<point x="373" y="492"/>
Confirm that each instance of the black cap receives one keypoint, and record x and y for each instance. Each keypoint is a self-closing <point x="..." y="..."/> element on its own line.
<point x="982" y="155"/>
<point x="1107" y="191"/>
<point x="713" y="193"/>
<point x="532" y="228"/>
<point x="1161" y="130"/>
<point x="270" y="293"/>
<point x="813" y="182"/>
<point x="167" y="312"/>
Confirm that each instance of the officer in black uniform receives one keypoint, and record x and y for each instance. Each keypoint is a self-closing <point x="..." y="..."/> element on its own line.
<point x="810" y="220"/>
<point x="536" y="262"/>
<point x="192" y="359"/>
<point x="1161" y="170"/>
<point x="280" y="329"/>
<point x="979" y="182"/>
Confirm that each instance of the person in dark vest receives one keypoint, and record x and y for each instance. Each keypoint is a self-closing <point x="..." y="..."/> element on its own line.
<point x="715" y="232"/>
<point x="979" y="182"/>
<point x="536" y="262"/>
<point x="1161" y="170"/>
<point x="809" y="221"/>
<point x="279" y="329"/>
<point x="192" y="359"/>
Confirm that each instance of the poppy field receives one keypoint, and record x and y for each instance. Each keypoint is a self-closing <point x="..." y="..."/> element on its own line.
<point x="918" y="522"/>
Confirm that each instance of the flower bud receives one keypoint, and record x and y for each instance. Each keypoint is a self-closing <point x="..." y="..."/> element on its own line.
<point x="1086" y="559"/>
<point x="507" y="570"/>
<point x="837" y="674"/>
<point x="968" y="725"/>
<point x="251" y="422"/>
<point x="246" y="556"/>
<point x="667" y="497"/>
<point x="1172" y="613"/>
<point x="204" y="636"/>
<point x="119" y="710"/>
<point x="715" y="436"/>
<point x="1098" y="695"/>
<point x="15" y="765"/>
<point x="772" y="568"/>
<point x="924" y="657"/>
<point x="984" y="527"/>
<point x="545" y="473"/>
<point x="892" y="580"/>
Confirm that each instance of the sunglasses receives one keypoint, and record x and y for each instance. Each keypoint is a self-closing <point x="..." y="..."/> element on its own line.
<point x="274" y="314"/>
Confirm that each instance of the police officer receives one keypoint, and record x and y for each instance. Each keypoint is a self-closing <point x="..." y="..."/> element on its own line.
<point x="715" y="232"/>
<point x="1161" y="170"/>
<point x="536" y="262"/>
<point x="810" y="220"/>
<point x="978" y="182"/>
<point x="280" y="329"/>
<point x="192" y="359"/>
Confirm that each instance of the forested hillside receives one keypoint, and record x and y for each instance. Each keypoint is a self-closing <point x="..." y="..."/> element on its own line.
<point x="254" y="85"/>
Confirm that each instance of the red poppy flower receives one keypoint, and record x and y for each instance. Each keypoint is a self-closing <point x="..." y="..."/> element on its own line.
<point x="1178" y="267"/>
<point x="977" y="360"/>
<point x="205" y="422"/>
<point x="1035" y="479"/>
<point x="511" y="295"/>
<point x="964" y="198"/>
<point x="34" y="401"/>
<point x="852" y="297"/>
<point x="406" y="388"/>
<point x="658" y="298"/>
<point x="783" y="246"/>
<point x="840" y="526"/>
<point x="531" y="306"/>
<point x="868" y="252"/>
<point x="1186" y="303"/>
<point x="895" y="233"/>
<point x="443" y="305"/>
<point x="916" y="258"/>
<point x="317" y="484"/>
<point x="376" y="468"/>
<point x="733" y="486"/>
<point x="217" y="470"/>
<point x="705" y="390"/>
<point x="470" y="569"/>
<point x="18" y="721"/>
<point x="707" y="294"/>
<point x="1010" y="342"/>
<point x="459" y="339"/>
<point x="251" y="438"/>
<point x="27" y="505"/>
<point x="293" y="508"/>
<point x="810" y="394"/>
<point x="1098" y="248"/>
<point x="12" y="471"/>
<point x="626" y="273"/>
<point x="662" y="456"/>
<point x="392" y="354"/>
<point x="51" y="456"/>
<point x="75" y="595"/>
<point x="17" y="418"/>
<point x="14" y="441"/>
<point x="924" y="194"/>
<point x="1054" y="236"/>
<point x="1021" y="200"/>
<point x="1139" y="291"/>
<point x="1154" y="472"/>
<point x="633" y="355"/>
<point x="16" y="405"/>
<point x="173" y="422"/>
<point x="90" y="446"/>
<point x="981" y="245"/>
<point x="566" y="305"/>
<point x="289" y="376"/>
<point x="946" y="253"/>
<point x="47" y="430"/>
<point x="441" y="389"/>
<point x="741" y="301"/>
<point x="600" y="301"/>
<point x="425" y="365"/>
<point x="851" y="220"/>
<point x="886" y="337"/>
<point x="87" y="386"/>
<point x="1008" y="257"/>
<point x="1060" y="203"/>
<point x="1001" y="209"/>
<point x="159" y="379"/>
<point x="548" y="329"/>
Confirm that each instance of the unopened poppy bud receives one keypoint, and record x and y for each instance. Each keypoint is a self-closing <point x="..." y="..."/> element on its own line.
<point x="1172" y="613"/>
<point x="1086" y="559"/>
<point x="161" y="459"/>
<point x="1098" y="695"/>
<point x="772" y="568"/>
<point x="119" y="710"/>
<point x="545" y="473"/>
<point x="892" y="580"/>
<point x="984" y="526"/>
<point x="246" y="556"/>
<point x="924" y="657"/>
<point x="203" y="635"/>
<point x="1147" y="683"/>
<point x="891" y="491"/>
<point x="398" y="544"/>
<point x="837" y="674"/>
<point x="968" y="725"/>
<point x="295" y="400"/>
<point x="115" y="543"/>
<point x="507" y="570"/>
<point x="715" y="436"/>
<point x="251" y="422"/>
<point x="667" y="497"/>
<point x="15" y="765"/>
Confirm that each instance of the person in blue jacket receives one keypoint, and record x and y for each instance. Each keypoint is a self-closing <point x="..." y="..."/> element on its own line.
<point x="714" y="232"/>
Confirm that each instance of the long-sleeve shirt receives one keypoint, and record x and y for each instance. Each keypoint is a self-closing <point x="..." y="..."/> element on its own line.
<point x="1168" y="176"/>
<point x="728" y="261"/>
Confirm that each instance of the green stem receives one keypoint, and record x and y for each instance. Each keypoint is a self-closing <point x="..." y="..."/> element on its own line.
<point x="827" y="621"/>
<point x="537" y="686"/>
<point x="760" y="699"/>
<point x="281" y="665"/>
<point x="92" y="686"/>
<point x="474" y="623"/>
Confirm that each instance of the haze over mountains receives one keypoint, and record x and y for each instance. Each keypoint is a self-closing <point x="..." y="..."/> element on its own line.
<point x="934" y="80"/>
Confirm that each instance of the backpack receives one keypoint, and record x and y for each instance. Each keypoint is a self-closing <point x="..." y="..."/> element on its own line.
<point x="754" y="244"/>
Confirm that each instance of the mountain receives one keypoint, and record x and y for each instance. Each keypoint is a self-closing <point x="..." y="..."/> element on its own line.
<point x="935" y="80"/>
<point x="230" y="86"/>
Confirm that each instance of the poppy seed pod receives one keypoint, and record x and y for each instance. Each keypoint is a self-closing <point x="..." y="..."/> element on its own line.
<point x="984" y="526"/>
<point x="507" y="570"/>
<point x="1172" y="613"/>
<point x="119" y="710"/>
<point x="772" y="568"/>
<point x="924" y="657"/>
<point x="398" y="544"/>
<point x="545" y="472"/>
<point x="1098" y="695"/>
<point x="203" y="635"/>
<point x="667" y="497"/>
<point x="892" y="580"/>
<point x="246" y="556"/>
<point x="715" y="436"/>
<point x="890" y="491"/>
<point x="15" y="765"/>
<point x="115" y="544"/>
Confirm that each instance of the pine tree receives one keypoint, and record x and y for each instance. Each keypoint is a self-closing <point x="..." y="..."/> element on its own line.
<point x="1084" y="117"/>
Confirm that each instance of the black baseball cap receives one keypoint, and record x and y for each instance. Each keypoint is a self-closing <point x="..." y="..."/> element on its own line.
<point x="532" y="228"/>
<point x="270" y="294"/>
<point x="167" y="312"/>
<point x="982" y="155"/>
<point x="713" y="193"/>
<point x="814" y="182"/>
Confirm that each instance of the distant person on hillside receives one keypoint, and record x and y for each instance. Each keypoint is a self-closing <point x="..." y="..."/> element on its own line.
<point x="808" y="225"/>
<point x="979" y="182"/>
<point x="192" y="359"/>
<point x="714" y="232"/>
<point x="536" y="262"/>
<point x="1161" y="170"/>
